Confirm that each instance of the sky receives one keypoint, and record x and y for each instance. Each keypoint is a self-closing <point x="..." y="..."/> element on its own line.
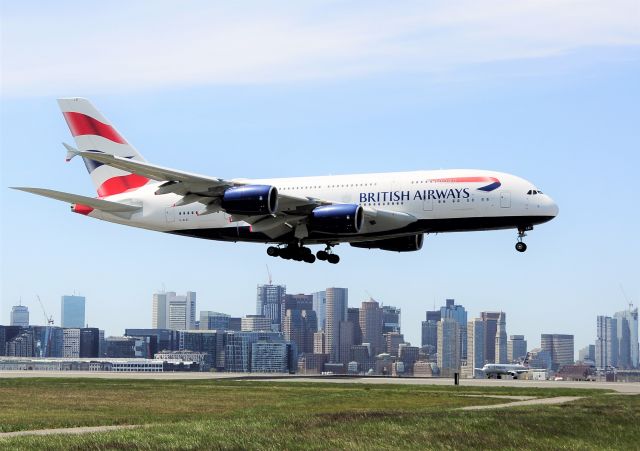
<point x="546" y="90"/>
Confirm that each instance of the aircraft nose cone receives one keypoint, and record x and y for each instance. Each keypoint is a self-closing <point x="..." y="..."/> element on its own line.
<point x="553" y="208"/>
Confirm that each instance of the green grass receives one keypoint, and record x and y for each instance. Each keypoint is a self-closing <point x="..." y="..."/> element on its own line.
<point x="222" y="414"/>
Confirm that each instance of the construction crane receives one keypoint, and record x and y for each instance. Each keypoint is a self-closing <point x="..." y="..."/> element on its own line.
<point x="624" y="293"/>
<point x="48" y="319"/>
<point x="269" y="274"/>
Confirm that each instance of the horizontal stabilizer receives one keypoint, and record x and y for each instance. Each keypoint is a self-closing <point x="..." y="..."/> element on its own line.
<point x="98" y="204"/>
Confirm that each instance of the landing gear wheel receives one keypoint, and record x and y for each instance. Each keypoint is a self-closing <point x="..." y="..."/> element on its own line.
<point x="521" y="247"/>
<point x="333" y="259"/>
<point x="309" y="258"/>
<point x="273" y="251"/>
<point x="322" y="255"/>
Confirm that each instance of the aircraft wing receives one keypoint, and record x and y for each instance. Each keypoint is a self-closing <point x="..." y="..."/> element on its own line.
<point x="98" y="204"/>
<point x="293" y="210"/>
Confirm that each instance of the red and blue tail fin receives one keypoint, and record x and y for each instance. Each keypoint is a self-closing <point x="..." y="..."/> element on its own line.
<point x="93" y="132"/>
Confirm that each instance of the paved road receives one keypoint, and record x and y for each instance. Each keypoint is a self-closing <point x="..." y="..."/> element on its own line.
<point x="528" y="402"/>
<point x="80" y="430"/>
<point x="620" y="387"/>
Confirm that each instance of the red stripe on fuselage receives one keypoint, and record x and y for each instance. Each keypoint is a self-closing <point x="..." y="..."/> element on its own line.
<point x="465" y="180"/>
<point x="117" y="185"/>
<point x="81" y="124"/>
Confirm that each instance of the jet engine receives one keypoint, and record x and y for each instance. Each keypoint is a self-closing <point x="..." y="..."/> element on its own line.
<point x="339" y="218"/>
<point x="250" y="200"/>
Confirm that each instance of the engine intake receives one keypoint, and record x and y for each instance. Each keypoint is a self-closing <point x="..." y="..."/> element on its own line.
<point x="340" y="218"/>
<point x="403" y="244"/>
<point x="250" y="200"/>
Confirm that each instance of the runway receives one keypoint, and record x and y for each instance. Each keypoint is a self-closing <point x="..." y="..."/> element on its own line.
<point x="630" y="388"/>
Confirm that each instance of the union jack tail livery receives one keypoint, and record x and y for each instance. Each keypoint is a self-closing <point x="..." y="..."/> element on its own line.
<point x="94" y="133"/>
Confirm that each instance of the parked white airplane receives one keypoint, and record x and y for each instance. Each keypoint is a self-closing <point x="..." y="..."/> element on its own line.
<point x="388" y="211"/>
<point x="503" y="369"/>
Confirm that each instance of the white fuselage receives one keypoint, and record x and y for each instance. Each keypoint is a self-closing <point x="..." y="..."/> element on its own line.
<point x="441" y="201"/>
<point x="497" y="369"/>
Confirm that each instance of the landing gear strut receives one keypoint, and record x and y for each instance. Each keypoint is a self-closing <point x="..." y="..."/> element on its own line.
<point x="292" y="252"/>
<point x="522" y="232"/>
<point x="300" y="253"/>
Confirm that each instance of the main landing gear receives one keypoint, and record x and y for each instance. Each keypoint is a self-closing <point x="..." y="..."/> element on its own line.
<point x="522" y="232"/>
<point x="301" y="253"/>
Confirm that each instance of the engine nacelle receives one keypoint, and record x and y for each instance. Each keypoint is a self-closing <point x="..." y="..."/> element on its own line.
<point x="402" y="244"/>
<point x="250" y="200"/>
<point x="339" y="218"/>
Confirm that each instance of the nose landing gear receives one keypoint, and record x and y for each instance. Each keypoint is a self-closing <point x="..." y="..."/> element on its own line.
<point x="522" y="232"/>
<point x="327" y="255"/>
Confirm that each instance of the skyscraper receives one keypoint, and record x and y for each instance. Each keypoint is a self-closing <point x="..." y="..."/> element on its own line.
<point x="501" y="339"/>
<point x="320" y="307"/>
<point x="371" y="325"/>
<point x="448" y="346"/>
<point x="336" y="312"/>
<point x="458" y="313"/>
<point x="171" y="311"/>
<point x="390" y="319"/>
<point x="72" y="311"/>
<point x="295" y="302"/>
<point x="159" y="311"/>
<point x="353" y="316"/>
<point x="490" y="328"/>
<point x="430" y="329"/>
<point x="516" y="348"/>
<point x="269" y="301"/>
<point x="71" y="343"/>
<point x="475" y="343"/>
<point x="213" y="320"/>
<point x="181" y="311"/>
<point x="606" y="342"/>
<point x="319" y="343"/>
<point x="20" y="315"/>
<point x="627" y="334"/>
<point x="561" y="348"/>
<point x="298" y="326"/>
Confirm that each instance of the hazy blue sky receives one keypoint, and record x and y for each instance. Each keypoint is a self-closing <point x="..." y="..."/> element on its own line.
<point x="549" y="91"/>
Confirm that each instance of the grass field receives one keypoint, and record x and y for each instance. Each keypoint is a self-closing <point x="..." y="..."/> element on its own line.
<point x="223" y="414"/>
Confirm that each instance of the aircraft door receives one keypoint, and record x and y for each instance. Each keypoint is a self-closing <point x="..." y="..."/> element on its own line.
<point x="505" y="199"/>
<point x="170" y="214"/>
<point x="427" y="205"/>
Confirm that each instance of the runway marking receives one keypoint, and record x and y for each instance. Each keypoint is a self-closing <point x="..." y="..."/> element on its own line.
<point x="529" y="402"/>
<point x="78" y="430"/>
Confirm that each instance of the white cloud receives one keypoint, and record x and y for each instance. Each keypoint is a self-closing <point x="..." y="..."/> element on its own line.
<point x="70" y="49"/>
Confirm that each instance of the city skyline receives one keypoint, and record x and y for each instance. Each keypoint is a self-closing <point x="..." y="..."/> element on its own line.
<point x="559" y="109"/>
<point x="449" y="310"/>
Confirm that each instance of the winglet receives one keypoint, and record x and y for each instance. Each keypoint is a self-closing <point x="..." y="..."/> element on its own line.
<point x="71" y="152"/>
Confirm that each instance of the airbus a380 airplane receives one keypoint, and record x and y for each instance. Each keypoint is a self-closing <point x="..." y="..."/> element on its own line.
<point x="388" y="211"/>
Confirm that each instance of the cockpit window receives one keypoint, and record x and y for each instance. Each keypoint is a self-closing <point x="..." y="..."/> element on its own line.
<point x="534" y="191"/>
<point x="530" y="192"/>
